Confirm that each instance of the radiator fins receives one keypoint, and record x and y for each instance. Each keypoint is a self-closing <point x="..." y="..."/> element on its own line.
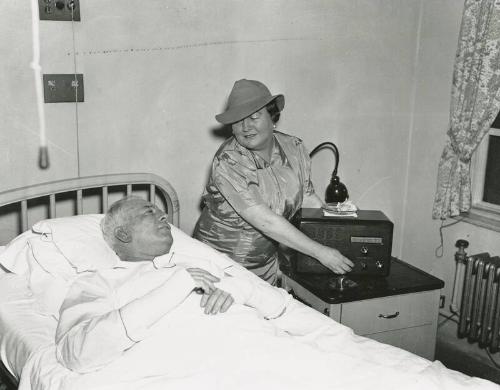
<point x="480" y="307"/>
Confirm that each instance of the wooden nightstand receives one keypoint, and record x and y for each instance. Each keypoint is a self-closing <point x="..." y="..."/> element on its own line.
<point x="400" y="309"/>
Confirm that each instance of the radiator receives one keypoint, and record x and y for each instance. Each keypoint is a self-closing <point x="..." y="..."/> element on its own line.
<point x="479" y="318"/>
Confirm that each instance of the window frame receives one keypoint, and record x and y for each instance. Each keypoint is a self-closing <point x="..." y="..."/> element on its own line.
<point x="482" y="213"/>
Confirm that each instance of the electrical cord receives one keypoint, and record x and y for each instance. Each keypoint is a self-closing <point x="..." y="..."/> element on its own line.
<point x="43" y="153"/>
<point x="447" y="318"/>
<point x="497" y="365"/>
<point x="439" y="251"/>
<point x="71" y="5"/>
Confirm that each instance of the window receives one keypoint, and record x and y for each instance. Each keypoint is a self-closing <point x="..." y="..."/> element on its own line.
<point x="491" y="186"/>
<point x="485" y="209"/>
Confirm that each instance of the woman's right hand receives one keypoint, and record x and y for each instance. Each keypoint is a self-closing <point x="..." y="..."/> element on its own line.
<point x="334" y="260"/>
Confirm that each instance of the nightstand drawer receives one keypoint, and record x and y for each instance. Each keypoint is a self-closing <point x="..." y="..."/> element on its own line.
<point x="389" y="313"/>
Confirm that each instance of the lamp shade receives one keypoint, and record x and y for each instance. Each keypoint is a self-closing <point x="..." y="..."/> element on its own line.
<point x="336" y="191"/>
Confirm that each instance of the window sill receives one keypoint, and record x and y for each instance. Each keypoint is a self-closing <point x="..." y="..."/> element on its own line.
<point x="483" y="217"/>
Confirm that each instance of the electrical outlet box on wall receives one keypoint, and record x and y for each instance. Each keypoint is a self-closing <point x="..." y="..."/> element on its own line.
<point x="59" y="10"/>
<point x="63" y="88"/>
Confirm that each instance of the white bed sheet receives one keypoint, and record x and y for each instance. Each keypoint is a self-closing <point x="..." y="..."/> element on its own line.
<point x="22" y="330"/>
<point x="2" y="271"/>
<point x="236" y="350"/>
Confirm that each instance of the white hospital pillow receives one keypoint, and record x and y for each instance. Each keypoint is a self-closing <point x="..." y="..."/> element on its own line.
<point x="49" y="258"/>
<point x="28" y="247"/>
<point x="46" y="271"/>
<point x="14" y="256"/>
<point x="79" y="238"/>
<point x="30" y="250"/>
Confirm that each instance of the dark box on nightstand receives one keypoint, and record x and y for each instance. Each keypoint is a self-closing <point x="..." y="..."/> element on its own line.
<point x="366" y="240"/>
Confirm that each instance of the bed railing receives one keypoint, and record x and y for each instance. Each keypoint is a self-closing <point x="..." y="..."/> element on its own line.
<point x="159" y="191"/>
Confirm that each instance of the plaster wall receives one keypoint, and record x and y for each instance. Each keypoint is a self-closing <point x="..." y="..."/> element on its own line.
<point x="155" y="76"/>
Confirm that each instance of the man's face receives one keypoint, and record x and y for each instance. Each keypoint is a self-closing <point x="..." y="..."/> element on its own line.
<point x="149" y="228"/>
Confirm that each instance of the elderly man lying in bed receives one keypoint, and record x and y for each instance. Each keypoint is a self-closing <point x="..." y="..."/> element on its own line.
<point x="140" y="325"/>
<point x="107" y="312"/>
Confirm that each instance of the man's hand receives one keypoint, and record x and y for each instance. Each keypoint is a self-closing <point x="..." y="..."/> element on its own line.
<point x="217" y="301"/>
<point x="204" y="280"/>
<point x="214" y="300"/>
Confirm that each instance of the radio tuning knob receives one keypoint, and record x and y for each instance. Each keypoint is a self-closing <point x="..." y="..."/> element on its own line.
<point x="379" y="264"/>
<point x="364" y="250"/>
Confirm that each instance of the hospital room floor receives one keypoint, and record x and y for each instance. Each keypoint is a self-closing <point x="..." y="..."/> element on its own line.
<point x="460" y="355"/>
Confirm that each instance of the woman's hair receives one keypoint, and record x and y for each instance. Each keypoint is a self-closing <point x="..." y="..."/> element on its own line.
<point x="274" y="111"/>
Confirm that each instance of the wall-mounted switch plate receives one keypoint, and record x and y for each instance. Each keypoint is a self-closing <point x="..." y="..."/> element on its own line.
<point x="59" y="10"/>
<point x="63" y="88"/>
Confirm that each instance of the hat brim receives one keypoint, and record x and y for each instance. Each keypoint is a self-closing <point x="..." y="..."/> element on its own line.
<point x="237" y="113"/>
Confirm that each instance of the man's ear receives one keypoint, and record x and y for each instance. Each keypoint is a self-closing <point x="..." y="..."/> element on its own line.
<point x="122" y="234"/>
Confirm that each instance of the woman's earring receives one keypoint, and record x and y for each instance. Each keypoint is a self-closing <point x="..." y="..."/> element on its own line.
<point x="274" y="126"/>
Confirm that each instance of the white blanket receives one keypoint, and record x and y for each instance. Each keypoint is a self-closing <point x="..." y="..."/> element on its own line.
<point x="241" y="350"/>
<point x="22" y="329"/>
<point x="234" y="350"/>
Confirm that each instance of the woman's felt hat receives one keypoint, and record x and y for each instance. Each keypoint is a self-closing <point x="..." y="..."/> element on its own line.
<point x="247" y="97"/>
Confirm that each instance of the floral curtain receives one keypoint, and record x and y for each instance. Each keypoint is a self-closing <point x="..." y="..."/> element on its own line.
<point x="475" y="102"/>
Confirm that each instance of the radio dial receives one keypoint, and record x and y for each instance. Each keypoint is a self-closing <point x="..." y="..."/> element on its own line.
<point x="379" y="264"/>
<point x="364" y="250"/>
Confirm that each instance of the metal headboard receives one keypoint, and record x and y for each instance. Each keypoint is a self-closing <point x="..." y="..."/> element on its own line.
<point x="76" y="187"/>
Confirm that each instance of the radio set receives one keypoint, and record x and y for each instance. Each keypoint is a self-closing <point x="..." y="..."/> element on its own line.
<point x="366" y="239"/>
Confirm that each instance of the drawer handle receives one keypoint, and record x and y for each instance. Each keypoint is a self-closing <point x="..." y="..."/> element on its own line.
<point x="388" y="316"/>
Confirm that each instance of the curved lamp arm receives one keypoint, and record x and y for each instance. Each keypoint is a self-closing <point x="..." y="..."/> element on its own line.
<point x="336" y="191"/>
<point x="335" y="151"/>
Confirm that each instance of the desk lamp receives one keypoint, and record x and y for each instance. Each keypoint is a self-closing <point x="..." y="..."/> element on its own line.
<point x="336" y="190"/>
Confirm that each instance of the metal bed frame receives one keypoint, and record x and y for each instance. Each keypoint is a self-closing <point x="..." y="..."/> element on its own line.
<point x="159" y="191"/>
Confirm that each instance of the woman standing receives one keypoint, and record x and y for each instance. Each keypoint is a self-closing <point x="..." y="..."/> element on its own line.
<point x="260" y="177"/>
